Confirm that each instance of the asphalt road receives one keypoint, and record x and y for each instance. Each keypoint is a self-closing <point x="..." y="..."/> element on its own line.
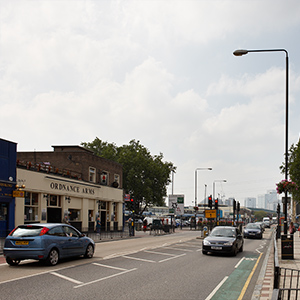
<point x="161" y="267"/>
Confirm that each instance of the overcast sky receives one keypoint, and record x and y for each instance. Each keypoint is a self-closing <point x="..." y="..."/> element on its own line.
<point x="161" y="72"/>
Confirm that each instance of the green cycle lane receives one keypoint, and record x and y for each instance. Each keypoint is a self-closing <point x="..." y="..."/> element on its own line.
<point x="233" y="286"/>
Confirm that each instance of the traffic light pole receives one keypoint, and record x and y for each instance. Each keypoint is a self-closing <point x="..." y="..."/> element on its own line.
<point x="234" y="208"/>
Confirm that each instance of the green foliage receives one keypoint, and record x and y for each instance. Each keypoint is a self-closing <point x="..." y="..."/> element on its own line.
<point x="294" y="168"/>
<point x="259" y="215"/>
<point x="145" y="177"/>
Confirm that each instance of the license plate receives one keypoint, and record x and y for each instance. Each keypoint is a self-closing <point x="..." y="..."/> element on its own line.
<point x="251" y="233"/>
<point x="19" y="243"/>
<point x="216" y="248"/>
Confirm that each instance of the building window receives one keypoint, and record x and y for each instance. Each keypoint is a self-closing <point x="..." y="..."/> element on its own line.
<point x="117" y="178"/>
<point x="54" y="200"/>
<point x="104" y="178"/>
<point x="92" y="174"/>
<point x="31" y="207"/>
<point x="74" y="215"/>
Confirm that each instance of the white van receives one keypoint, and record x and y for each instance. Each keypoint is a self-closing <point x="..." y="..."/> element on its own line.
<point x="266" y="221"/>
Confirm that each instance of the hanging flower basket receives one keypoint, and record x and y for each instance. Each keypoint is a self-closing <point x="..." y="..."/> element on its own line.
<point x="286" y="186"/>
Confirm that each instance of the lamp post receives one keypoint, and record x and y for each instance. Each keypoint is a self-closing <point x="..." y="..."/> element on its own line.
<point x="196" y="182"/>
<point x="223" y="180"/>
<point x="241" y="52"/>
<point x="196" y="205"/>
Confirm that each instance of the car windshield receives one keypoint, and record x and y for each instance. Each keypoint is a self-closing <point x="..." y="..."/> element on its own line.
<point x="228" y="232"/>
<point x="255" y="226"/>
<point x="27" y="231"/>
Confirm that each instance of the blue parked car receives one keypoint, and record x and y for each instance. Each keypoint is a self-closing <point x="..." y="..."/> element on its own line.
<point x="47" y="242"/>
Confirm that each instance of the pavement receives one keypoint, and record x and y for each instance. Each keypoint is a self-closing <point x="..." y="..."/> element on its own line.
<point x="264" y="285"/>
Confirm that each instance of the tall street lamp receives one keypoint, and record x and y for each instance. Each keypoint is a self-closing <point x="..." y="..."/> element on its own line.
<point x="196" y="182"/>
<point x="241" y="52"/>
<point x="223" y="180"/>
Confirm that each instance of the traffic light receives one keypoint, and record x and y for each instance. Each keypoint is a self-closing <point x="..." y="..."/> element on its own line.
<point x="130" y="204"/>
<point x="238" y="206"/>
<point x="216" y="204"/>
<point x="210" y="201"/>
<point x="234" y="205"/>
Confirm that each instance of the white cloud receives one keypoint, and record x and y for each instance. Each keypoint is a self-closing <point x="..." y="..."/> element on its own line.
<point x="150" y="71"/>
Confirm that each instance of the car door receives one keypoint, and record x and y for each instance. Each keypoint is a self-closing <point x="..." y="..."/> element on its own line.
<point x="56" y="236"/>
<point x="74" y="244"/>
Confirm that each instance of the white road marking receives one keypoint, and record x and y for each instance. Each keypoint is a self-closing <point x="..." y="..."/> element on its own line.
<point x="216" y="288"/>
<point x="180" y="249"/>
<point x="163" y="260"/>
<point x="104" y="278"/>
<point x="136" y="258"/>
<point x="37" y="274"/>
<point x="161" y="253"/>
<point x="239" y="262"/>
<point x="111" y="267"/>
<point x="66" y="277"/>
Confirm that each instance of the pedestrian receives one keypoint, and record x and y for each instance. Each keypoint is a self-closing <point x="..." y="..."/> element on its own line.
<point x="98" y="225"/>
<point x="292" y="228"/>
<point x="145" y="225"/>
<point x="66" y="220"/>
<point x="130" y="226"/>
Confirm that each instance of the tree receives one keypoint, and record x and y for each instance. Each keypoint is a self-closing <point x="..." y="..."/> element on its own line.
<point x="294" y="168"/>
<point x="145" y="177"/>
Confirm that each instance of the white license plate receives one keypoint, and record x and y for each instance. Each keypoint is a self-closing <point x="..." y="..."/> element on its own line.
<point x="216" y="248"/>
<point x="251" y="233"/>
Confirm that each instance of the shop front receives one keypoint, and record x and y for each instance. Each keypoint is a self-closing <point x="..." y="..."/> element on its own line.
<point x="55" y="199"/>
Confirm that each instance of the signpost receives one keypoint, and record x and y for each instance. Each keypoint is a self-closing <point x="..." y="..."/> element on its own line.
<point x="210" y="213"/>
<point x="176" y="204"/>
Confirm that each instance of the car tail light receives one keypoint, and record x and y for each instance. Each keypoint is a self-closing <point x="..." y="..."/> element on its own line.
<point x="12" y="231"/>
<point x="44" y="231"/>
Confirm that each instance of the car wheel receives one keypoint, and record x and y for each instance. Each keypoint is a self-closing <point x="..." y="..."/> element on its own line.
<point x="12" y="262"/>
<point x="52" y="259"/>
<point x="204" y="252"/>
<point x="235" y="251"/>
<point x="242" y="248"/>
<point x="89" y="252"/>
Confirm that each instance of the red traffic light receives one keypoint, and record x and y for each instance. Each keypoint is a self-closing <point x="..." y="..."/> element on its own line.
<point x="131" y="200"/>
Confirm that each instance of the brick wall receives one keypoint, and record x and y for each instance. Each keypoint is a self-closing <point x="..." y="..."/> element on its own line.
<point x="76" y="159"/>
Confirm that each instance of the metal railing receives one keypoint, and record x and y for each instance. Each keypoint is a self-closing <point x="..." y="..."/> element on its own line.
<point x="108" y="235"/>
<point x="286" y="281"/>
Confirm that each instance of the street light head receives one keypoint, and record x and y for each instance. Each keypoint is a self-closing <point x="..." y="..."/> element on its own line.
<point x="240" y="52"/>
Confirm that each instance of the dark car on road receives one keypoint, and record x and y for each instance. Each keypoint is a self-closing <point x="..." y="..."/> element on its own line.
<point x="223" y="239"/>
<point x="46" y="242"/>
<point x="253" y="230"/>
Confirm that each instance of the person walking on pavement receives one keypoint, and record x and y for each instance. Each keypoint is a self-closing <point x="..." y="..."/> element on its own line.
<point x="292" y="228"/>
<point x="66" y="220"/>
<point x="98" y="225"/>
<point x="130" y="226"/>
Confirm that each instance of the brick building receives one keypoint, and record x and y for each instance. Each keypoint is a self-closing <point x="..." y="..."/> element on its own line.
<point x="69" y="181"/>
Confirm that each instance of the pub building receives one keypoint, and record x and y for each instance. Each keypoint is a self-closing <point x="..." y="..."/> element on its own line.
<point x="70" y="182"/>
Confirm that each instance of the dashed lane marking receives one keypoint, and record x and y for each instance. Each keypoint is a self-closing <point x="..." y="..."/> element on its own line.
<point x="141" y="259"/>
<point x="110" y="267"/>
<point x="104" y="278"/>
<point x="66" y="278"/>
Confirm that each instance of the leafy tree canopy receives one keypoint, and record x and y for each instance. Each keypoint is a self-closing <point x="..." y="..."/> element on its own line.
<point x="294" y="168"/>
<point x="145" y="177"/>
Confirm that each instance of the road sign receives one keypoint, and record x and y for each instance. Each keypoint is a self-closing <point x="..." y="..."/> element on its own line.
<point x="176" y="204"/>
<point x="210" y="213"/>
